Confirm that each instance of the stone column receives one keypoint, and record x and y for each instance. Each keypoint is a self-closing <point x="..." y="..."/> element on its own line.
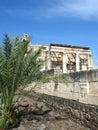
<point x="48" y="59"/>
<point x="64" y="63"/>
<point x="77" y="62"/>
<point x="90" y="62"/>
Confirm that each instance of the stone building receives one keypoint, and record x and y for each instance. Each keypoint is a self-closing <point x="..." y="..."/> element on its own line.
<point x="66" y="58"/>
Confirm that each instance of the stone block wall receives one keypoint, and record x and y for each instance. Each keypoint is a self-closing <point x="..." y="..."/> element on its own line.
<point x="81" y="86"/>
<point x="78" y="99"/>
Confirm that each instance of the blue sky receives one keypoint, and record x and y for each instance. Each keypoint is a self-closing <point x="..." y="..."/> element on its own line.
<point x="72" y="22"/>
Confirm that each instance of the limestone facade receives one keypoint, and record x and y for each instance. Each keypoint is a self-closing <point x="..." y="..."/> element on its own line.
<point x="66" y="58"/>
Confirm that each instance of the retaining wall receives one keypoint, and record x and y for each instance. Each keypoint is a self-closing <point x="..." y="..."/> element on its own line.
<point x="84" y="114"/>
<point x="78" y="99"/>
<point x="81" y="86"/>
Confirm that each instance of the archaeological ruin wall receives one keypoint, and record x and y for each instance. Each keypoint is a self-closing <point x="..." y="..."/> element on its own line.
<point x="81" y="86"/>
<point x="66" y="58"/>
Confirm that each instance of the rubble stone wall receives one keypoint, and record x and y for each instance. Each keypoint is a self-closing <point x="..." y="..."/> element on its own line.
<point x="84" y="114"/>
<point x="78" y="99"/>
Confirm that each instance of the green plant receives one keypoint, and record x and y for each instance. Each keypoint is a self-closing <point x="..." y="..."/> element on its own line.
<point x="17" y="69"/>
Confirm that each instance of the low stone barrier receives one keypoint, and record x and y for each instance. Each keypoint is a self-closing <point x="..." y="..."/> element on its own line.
<point x="81" y="113"/>
<point x="80" y="86"/>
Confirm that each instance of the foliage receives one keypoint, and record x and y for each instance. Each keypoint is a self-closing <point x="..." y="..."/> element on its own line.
<point x="17" y="68"/>
<point x="57" y="78"/>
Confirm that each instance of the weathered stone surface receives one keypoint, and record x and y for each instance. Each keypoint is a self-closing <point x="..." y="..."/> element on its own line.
<point x="81" y="86"/>
<point x="50" y="120"/>
<point x="84" y="114"/>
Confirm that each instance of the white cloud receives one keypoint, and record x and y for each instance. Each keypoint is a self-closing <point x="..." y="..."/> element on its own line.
<point x="84" y="9"/>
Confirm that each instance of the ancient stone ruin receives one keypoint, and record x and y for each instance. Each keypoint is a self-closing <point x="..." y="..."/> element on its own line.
<point x="77" y="99"/>
<point x="66" y="58"/>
